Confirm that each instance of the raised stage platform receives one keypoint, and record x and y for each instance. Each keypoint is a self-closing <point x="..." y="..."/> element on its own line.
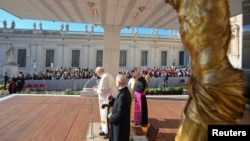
<point x="67" y="118"/>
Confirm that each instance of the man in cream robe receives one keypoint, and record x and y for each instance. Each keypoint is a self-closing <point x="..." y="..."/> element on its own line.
<point x="131" y="87"/>
<point x="105" y="88"/>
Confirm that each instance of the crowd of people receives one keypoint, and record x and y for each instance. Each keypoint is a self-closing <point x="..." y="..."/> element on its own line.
<point x="15" y="83"/>
<point x="64" y="73"/>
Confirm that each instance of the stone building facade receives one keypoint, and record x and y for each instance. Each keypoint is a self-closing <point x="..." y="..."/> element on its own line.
<point x="37" y="50"/>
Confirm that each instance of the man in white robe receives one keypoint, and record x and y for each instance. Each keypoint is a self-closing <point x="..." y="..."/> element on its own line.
<point x="131" y="87"/>
<point x="105" y="88"/>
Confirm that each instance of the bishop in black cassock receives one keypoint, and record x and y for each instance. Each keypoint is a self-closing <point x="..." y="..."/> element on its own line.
<point x="120" y="117"/>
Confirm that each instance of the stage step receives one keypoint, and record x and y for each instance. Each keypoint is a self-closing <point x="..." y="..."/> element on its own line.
<point x="94" y="135"/>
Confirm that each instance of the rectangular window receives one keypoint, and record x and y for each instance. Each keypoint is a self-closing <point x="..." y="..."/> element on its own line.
<point x="144" y="58"/>
<point x="49" y="58"/>
<point x="164" y="57"/>
<point x="123" y="58"/>
<point x="75" y="60"/>
<point x="181" y="58"/>
<point x="21" y="59"/>
<point x="99" y="57"/>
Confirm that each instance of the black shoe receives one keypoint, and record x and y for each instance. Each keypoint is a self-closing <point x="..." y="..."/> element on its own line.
<point x="102" y="133"/>
<point x="106" y="136"/>
<point x="137" y="124"/>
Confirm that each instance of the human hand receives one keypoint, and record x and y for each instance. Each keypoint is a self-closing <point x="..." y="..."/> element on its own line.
<point x="109" y="115"/>
<point x="95" y="88"/>
<point x="110" y="97"/>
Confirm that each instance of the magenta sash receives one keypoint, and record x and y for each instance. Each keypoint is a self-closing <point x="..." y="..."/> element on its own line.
<point x="138" y="105"/>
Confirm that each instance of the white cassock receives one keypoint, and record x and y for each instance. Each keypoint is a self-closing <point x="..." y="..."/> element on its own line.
<point x="106" y="87"/>
<point x="131" y="87"/>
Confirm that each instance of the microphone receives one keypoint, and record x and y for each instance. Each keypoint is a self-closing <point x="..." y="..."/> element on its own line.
<point x="87" y="82"/>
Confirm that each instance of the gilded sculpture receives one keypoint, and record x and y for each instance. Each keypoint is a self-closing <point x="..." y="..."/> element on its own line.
<point x="216" y="89"/>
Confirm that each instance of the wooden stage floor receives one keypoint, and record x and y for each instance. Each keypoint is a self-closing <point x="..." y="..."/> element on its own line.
<point x="67" y="118"/>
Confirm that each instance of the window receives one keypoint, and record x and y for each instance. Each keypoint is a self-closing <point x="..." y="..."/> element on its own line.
<point x="123" y="58"/>
<point x="164" y="57"/>
<point x="181" y="58"/>
<point x="99" y="56"/>
<point x="144" y="58"/>
<point x="75" y="60"/>
<point x="21" y="59"/>
<point x="49" y="58"/>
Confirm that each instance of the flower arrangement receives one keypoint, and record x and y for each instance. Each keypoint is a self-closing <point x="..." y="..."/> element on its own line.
<point x="2" y="86"/>
<point x="4" y="92"/>
<point x="165" y="91"/>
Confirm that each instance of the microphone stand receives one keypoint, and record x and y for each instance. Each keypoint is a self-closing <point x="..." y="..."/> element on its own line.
<point x="91" y="134"/>
<point x="85" y="85"/>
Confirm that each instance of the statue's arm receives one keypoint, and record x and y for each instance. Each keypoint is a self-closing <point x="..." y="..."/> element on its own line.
<point x="174" y="3"/>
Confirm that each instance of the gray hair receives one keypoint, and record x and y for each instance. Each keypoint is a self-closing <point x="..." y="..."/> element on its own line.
<point x="99" y="69"/>
<point x="122" y="79"/>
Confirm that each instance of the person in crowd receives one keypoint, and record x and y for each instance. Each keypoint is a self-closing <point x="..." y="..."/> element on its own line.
<point x="20" y="80"/>
<point x="6" y="80"/>
<point x="141" y="108"/>
<point x="105" y="87"/>
<point x="119" y="118"/>
<point x="12" y="85"/>
<point x="166" y="80"/>
<point x="147" y="78"/>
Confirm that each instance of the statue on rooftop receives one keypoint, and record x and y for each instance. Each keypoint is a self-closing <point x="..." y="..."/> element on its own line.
<point x="41" y="25"/>
<point x="216" y="89"/>
<point x="67" y="27"/>
<point x="92" y="28"/>
<point x="86" y="28"/>
<point x="34" y="26"/>
<point x="62" y="27"/>
<point x="152" y="31"/>
<point x="4" y="24"/>
<point x="13" y="24"/>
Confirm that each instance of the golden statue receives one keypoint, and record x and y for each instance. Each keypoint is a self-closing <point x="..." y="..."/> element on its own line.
<point x="216" y="89"/>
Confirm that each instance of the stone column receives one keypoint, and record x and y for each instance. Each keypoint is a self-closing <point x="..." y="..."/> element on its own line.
<point x="111" y="50"/>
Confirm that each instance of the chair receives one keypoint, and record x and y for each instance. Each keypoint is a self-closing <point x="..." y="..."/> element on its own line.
<point x="151" y="132"/>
